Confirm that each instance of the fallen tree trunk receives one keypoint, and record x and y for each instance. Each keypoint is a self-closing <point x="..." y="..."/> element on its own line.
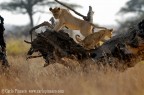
<point x="54" y="45"/>
<point x="123" y="49"/>
<point x="126" y="47"/>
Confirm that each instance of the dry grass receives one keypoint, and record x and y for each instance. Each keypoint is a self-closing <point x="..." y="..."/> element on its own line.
<point x="16" y="46"/>
<point x="26" y="75"/>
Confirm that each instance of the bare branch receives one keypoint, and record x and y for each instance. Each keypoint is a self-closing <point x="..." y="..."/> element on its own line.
<point x="27" y="42"/>
<point x="52" y="21"/>
<point x="90" y="15"/>
<point x="84" y="17"/>
<point x="45" y="23"/>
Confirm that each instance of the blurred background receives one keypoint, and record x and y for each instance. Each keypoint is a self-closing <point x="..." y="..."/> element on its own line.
<point x="21" y="15"/>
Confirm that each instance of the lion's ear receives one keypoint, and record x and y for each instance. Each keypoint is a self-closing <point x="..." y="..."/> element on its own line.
<point x="50" y="9"/>
<point x="111" y="30"/>
<point x="58" y="8"/>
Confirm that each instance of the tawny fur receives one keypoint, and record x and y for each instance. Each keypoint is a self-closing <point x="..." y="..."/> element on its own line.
<point x="134" y="50"/>
<point x="92" y="41"/>
<point x="67" y="19"/>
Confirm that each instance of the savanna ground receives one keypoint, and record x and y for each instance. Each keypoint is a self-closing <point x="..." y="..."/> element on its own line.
<point x="25" y="75"/>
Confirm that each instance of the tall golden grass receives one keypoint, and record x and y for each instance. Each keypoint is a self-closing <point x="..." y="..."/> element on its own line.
<point x="16" y="46"/>
<point x="26" y="75"/>
<point x="31" y="75"/>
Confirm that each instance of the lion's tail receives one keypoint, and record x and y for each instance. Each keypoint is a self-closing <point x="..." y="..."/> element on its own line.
<point x="77" y="37"/>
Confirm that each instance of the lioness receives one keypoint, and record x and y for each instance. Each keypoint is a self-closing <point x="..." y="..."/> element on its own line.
<point x="67" y="19"/>
<point x="91" y="41"/>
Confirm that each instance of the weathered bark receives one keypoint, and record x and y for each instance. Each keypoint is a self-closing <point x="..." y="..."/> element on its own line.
<point x="3" y="57"/>
<point x="52" y="21"/>
<point x="125" y="49"/>
<point x="45" y="23"/>
<point x="53" y="45"/>
<point x="90" y="15"/>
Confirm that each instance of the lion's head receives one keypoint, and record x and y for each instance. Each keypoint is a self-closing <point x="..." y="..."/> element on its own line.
<point x="109" y="33"/>
<point x="56" y="12"/>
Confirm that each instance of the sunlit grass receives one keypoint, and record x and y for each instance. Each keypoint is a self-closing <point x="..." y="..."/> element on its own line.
<point x="31" y="74"/>
<point x="16" y="47"/>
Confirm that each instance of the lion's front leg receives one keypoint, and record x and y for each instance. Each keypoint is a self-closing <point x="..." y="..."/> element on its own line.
<point x="58" y="26"/>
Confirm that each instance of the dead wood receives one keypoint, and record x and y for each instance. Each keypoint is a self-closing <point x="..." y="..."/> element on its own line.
<point x="124" y="49"/>
<point x="52" y="21"/>
<point x="127" y="47"/>
<point x="55" y="45"/>
<point x="3" y="57"/>
<point x="45" y="23"/>
<point x="89" y="16"/>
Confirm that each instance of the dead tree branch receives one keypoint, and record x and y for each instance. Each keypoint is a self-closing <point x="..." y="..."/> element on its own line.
<point x="27" y="42"/>
<point x="45" y="23"/>
<point x="52" y="21"/>
<point x="90" y="15"/>
<point x="84" y="17"/>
